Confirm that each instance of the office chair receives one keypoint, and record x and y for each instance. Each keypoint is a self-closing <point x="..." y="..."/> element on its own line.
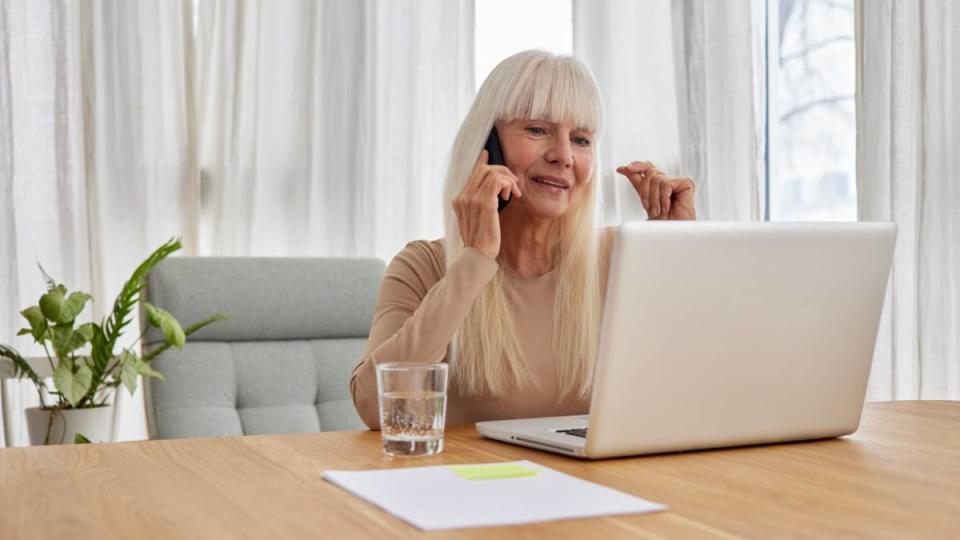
<point x="283" y="360"/>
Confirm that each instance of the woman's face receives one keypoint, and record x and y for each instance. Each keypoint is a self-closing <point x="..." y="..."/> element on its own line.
<point x="552" y="162"/>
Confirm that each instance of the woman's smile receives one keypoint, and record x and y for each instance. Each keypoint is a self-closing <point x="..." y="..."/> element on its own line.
<point x="551" y="184"/>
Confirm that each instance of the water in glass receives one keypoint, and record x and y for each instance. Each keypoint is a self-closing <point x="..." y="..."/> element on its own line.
<point x="413" y="404"/>
<point x="412" y="422"/>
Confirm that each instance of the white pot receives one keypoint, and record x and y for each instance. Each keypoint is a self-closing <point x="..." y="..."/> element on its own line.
<point x="95" y="424"/>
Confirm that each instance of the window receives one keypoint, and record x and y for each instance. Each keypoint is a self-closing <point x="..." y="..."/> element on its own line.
<point x="505" y="27"/>
<point x="811" y="126"/>
<point x="811" y="144"/>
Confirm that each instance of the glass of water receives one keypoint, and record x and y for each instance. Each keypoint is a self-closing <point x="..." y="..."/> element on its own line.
<point x="413" y="408"/>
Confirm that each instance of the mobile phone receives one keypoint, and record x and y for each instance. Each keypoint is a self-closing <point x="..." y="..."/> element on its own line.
<point x="495" y="157"/>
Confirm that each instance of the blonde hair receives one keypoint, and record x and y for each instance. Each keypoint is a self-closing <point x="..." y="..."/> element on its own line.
<point x="486" y="349"/>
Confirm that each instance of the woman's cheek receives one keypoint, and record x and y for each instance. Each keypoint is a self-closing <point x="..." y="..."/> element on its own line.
<point x="584" y="167"/>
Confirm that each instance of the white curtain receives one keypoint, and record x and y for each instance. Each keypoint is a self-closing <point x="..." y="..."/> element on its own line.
<point x="43" y="213"/>
<point x="908" y="155"/>
<point x="97" y="165"/>
<point x="272" y="128"/>
<point x="681" y="81"/>
<point x="326" y="125"/>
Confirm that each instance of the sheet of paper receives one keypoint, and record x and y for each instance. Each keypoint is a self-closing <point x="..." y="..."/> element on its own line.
<point x="458" y="496"/>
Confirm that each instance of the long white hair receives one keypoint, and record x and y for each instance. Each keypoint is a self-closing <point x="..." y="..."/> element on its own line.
<point x="486" y="350"/>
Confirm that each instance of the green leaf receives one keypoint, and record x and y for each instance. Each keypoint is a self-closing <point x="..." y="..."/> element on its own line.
<point x="59" y="308"/>
<point x="120" y="316"/>
<point x="144" y="369"/>
<point x="157" y="351"/>
<point x="80" y="439"/>
<point x="66" y="339"/>
<point x="86" y="330"/>
<point x="21" y="367"/>
<point x="100" y="352"/>
<point x="38" y="323"/>
<point x="51" y="284"/>
<point x="166" y="322"/>
<point x="61" y="339"/>
<point x="51" y="303"/>
<point x="72" y="385"/>
<point x="129" y="370"/>
<point x="133" y="366"/>
<point x="80" y="337"/>
<point x="24" y="331"/>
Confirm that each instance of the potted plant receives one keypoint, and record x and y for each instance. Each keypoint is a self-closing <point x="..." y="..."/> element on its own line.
<point x="83" y="383"/>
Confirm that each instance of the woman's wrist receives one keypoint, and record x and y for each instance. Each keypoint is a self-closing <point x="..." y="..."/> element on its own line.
<point x="476" y="256"/>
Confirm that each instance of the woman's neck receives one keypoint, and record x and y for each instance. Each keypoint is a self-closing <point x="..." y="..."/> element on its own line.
<point x="527" y="246"/>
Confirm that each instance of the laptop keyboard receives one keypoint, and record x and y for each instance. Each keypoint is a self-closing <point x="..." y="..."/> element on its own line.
<point x="576" y="432"/>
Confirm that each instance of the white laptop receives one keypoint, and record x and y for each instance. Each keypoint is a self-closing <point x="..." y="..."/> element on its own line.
<point x="720" y="334"/>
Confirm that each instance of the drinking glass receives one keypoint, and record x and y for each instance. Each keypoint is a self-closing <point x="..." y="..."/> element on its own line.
<point x="413" y="408"/>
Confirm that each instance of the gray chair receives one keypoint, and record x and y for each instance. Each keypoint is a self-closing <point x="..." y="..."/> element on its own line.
<point x="282" y="362"/>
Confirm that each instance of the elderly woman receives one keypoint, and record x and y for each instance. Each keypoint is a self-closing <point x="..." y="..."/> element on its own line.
<point x="512" y="300"/>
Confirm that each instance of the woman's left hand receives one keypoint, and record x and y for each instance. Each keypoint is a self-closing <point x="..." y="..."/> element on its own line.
<point x="663" y="196"/>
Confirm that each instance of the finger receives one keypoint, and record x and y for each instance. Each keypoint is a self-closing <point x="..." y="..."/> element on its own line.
<point x="666" y="193"/>
<point x="640" y="184"/>
<point x="644" y="191"/>
<point x="495" y="184"/>
<point x="506" y="188"/>
<point x="640" y="166"/>
<point x="481" y="159"/>
<point x="513" y="185"/>
<point x="654" y="199"/>
<point x="495" y="170"/>
<point x="628" y="170"/>
<point x="489" y="182"/>
<point x="477" y="174"/>
<point x="683" y="184"/>
<point x="514" y="179"/>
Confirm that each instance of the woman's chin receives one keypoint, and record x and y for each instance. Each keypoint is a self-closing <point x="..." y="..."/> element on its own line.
<point x="554" y="209"/>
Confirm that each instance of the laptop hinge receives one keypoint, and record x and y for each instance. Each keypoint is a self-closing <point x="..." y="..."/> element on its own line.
<point x="543" y="444"/>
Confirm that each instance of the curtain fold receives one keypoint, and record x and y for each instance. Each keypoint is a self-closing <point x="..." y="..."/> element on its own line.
<point x="326" y="125"/>
<point x="908" y="150"/>
<point x="681" y="81"/>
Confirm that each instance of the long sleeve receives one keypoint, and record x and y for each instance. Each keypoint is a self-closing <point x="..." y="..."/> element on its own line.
<point x="418" y="311"/>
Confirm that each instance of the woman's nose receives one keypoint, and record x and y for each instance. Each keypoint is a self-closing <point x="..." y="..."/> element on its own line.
<point x="560" y="152"/>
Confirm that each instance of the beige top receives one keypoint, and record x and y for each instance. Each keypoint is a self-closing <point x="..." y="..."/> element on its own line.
<point x="421" y="306"/>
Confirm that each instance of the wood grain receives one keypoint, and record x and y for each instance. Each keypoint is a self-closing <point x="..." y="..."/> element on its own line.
<point x="897" y="477"/>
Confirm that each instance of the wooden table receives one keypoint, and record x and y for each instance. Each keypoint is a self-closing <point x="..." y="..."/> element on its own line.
<point x="897" y="477"/>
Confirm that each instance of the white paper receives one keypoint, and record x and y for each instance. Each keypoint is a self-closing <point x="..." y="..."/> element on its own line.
<point x="434" y="498"/>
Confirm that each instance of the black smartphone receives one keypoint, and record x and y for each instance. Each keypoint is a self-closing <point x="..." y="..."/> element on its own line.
<point x="495" y="157"/>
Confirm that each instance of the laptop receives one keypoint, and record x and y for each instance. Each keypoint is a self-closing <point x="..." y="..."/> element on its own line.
<point x="718" y="334"/>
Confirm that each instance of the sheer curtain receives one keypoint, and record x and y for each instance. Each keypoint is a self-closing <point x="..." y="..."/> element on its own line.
<point x="43" y="212"/>
<point x="97" y="166"/>
<point x="908" y="155"/>
<point x="326" y="125"/>
<point x="681" y="81"/>
<point x="272" y="128"/>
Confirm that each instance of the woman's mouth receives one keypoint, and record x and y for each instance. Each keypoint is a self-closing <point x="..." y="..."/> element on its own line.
<point x="552" y="183"/>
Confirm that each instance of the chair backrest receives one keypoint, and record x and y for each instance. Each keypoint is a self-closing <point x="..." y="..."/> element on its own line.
<point x="280" y="364"/>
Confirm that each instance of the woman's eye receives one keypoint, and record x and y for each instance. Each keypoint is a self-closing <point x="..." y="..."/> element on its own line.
<point x="536" y="130"/>
<point x="582" y="141"/>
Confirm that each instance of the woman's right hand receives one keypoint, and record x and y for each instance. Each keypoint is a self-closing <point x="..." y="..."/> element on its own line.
<point x="476" y="205"/>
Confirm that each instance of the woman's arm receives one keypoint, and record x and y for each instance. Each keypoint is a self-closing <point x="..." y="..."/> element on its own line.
<point x="416" y="316"/>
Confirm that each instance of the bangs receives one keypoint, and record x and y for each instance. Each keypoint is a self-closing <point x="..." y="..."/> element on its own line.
<point x="554" y="89"/>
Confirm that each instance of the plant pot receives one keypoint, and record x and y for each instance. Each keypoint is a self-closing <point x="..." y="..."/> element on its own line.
<point x="96" y="424"/>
